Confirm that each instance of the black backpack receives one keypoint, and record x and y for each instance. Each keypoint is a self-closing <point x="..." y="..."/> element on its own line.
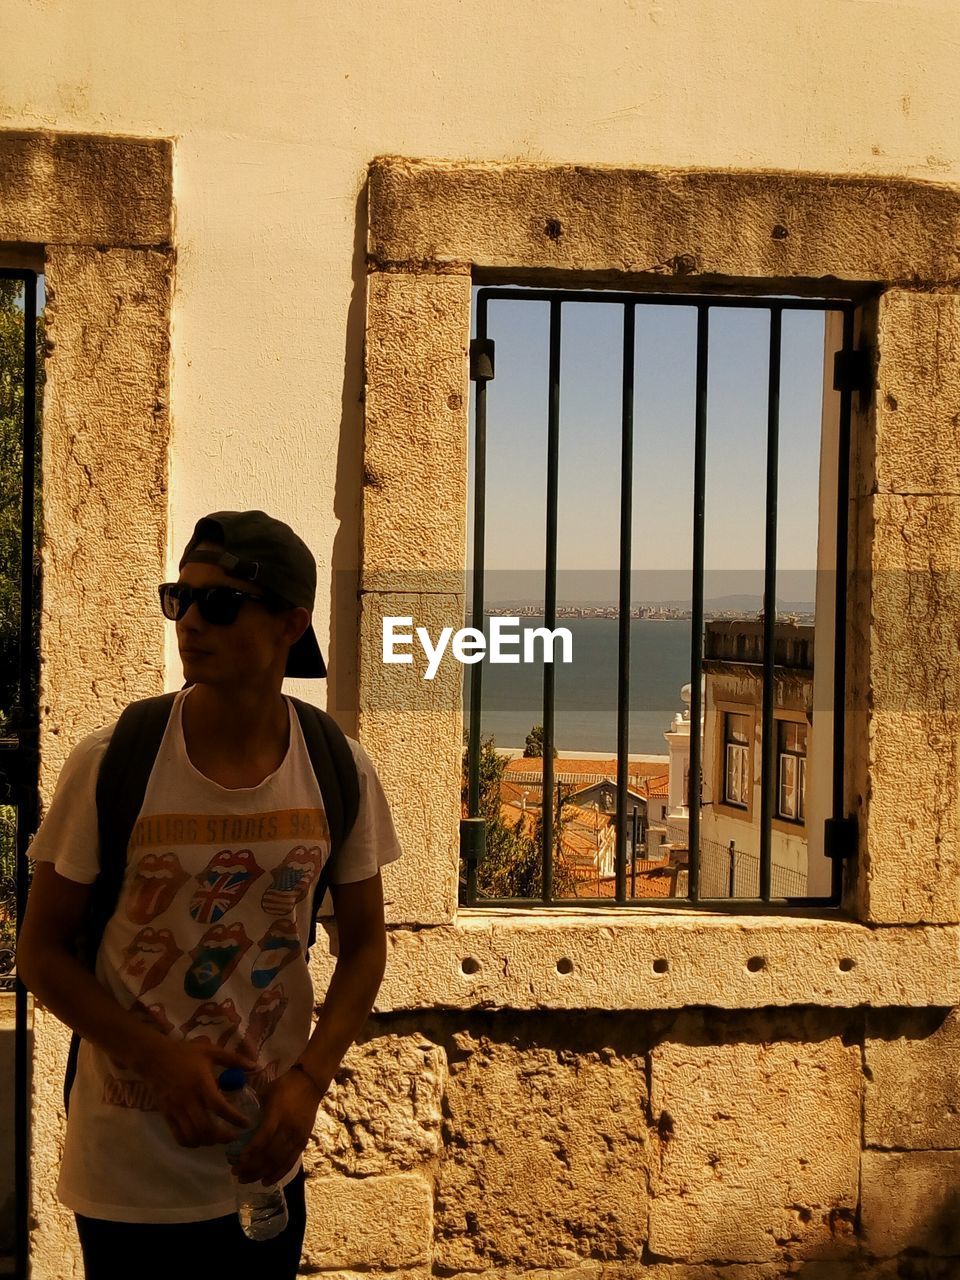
<point x="122" y="784"/>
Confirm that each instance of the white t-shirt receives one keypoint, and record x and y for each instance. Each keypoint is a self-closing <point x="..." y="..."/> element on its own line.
<point x="207" y="942"/>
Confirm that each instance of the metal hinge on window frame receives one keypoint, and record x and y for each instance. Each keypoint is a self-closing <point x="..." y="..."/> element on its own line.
<point x="473" y="839"/>
<point x="840" y="837"/>
<point x="853" y="371"/>
<point x="481" y="359"/>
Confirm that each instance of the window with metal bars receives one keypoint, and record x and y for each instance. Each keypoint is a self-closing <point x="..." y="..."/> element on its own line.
<point x="595" y="355"/>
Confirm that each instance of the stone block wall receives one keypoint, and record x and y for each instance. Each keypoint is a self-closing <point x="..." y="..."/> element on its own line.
<point x="674" y="1094"/>
<point x="690" y="1144"/>
<point x="571" y="1093"/>
<point x="98" y="212"/>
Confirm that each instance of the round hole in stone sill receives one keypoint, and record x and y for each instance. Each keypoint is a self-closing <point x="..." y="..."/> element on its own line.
<point x="469" y="965"/>
<point x="661" y="966"/>
<point x="565" y="965"/>
<point x="846" y="964"/>
<point x="756" y="963"/>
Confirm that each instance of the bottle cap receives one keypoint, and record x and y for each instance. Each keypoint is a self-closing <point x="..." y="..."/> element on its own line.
<point x="232" y="1078"/>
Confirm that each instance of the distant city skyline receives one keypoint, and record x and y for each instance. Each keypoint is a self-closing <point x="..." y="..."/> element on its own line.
<point x="734" y="606"/>
<point x="665" y="587"/>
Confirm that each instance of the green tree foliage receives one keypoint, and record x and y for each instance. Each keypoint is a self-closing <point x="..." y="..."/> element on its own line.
<point x="11" y="475"/>
<point x="8" y="853"/>
<point x="512" y="864"/>
<point x="8" y="901"/>
<point x="533" y="750"/>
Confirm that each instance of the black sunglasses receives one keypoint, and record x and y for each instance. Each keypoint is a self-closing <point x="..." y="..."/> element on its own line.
<point x="217" y="605"/>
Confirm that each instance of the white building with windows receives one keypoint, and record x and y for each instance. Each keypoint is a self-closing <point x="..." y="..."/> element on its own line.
<point x="730" y="812"/>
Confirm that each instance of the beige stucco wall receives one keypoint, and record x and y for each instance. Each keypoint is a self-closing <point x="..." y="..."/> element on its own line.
<point x="516" y="1114"/>
<point x="277" y="110"/>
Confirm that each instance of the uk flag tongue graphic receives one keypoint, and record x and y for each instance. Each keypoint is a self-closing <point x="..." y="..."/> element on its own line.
<point x="222" y="884"/>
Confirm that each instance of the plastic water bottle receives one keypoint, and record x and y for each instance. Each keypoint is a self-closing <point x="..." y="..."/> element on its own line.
<point x="262" y="1210"/>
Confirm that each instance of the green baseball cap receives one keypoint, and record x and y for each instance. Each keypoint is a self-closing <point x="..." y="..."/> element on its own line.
<point x="254" y="547"/>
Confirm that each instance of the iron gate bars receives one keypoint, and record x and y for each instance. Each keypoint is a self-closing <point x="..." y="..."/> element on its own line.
<point x="18" y="757"/>
<point x="840" y="832"/>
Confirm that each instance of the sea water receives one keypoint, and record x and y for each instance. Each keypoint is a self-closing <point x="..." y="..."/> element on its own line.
<point x="586" y="689"/>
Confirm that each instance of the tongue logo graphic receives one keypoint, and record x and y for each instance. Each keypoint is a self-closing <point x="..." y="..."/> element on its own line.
<point x="222" y="884"/>
<point x="153" y="1015"/>
<point x="278" y="946"/>
<point x="153" y="886"/>
<point x="264" y="1019"/>
<point x="292" y="880"/>
<point x="148" y="958"/>
<point x="214" y="958"/>
<point x="213" y="1022"/>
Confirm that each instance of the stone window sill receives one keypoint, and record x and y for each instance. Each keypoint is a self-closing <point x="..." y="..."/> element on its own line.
<point x="667" y="959"/>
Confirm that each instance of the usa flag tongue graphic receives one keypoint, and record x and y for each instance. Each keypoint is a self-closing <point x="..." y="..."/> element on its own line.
<point x="292" y="880"/>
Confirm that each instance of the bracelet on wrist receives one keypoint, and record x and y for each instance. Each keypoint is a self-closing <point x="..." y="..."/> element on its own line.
<point x="299" y="1066"/>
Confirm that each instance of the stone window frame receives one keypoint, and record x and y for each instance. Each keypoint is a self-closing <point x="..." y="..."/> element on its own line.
<point x="95" y="215"/>
<point x="434" y="229"/>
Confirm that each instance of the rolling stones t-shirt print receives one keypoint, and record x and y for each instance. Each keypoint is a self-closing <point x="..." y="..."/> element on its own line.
<point x="207" y="943"/>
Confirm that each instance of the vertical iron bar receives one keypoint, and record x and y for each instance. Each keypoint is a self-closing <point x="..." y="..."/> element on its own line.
<point x="767" y="744"/>
<point x="626" y="538"/>
<point x="633" y="854"/>
<point x="840" y="603"/>
<point x="696" y="638"/>
<point x="479" y="536"/>
<point x="550" y="595"/>
<point x="732" y="873"/>
<point x="26" y="803"/>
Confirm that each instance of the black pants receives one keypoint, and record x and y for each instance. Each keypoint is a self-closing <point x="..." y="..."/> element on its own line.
<point x="192" y="1250"/>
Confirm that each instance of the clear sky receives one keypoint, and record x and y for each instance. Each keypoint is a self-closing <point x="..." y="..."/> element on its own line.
<point x="591" y="355"/>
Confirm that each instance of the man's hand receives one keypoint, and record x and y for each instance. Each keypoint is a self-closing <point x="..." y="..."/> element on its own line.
<point x="183" y="1075"/>
<point x="290" y="1103"/>
<point x="289" y="1111"/>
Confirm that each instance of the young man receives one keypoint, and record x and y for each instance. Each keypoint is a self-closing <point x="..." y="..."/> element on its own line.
<point x="202" y="964"/>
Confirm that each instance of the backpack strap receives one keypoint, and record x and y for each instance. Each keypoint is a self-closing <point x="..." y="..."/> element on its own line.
<point x="121" y="785"/>
<point x="336" y="771"/>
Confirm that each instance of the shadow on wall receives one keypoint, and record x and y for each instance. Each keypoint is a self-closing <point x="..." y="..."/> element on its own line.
<point x="943" y="1236"/>
<point x="348" y="496"/>
<point x="937" y="1259"/>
